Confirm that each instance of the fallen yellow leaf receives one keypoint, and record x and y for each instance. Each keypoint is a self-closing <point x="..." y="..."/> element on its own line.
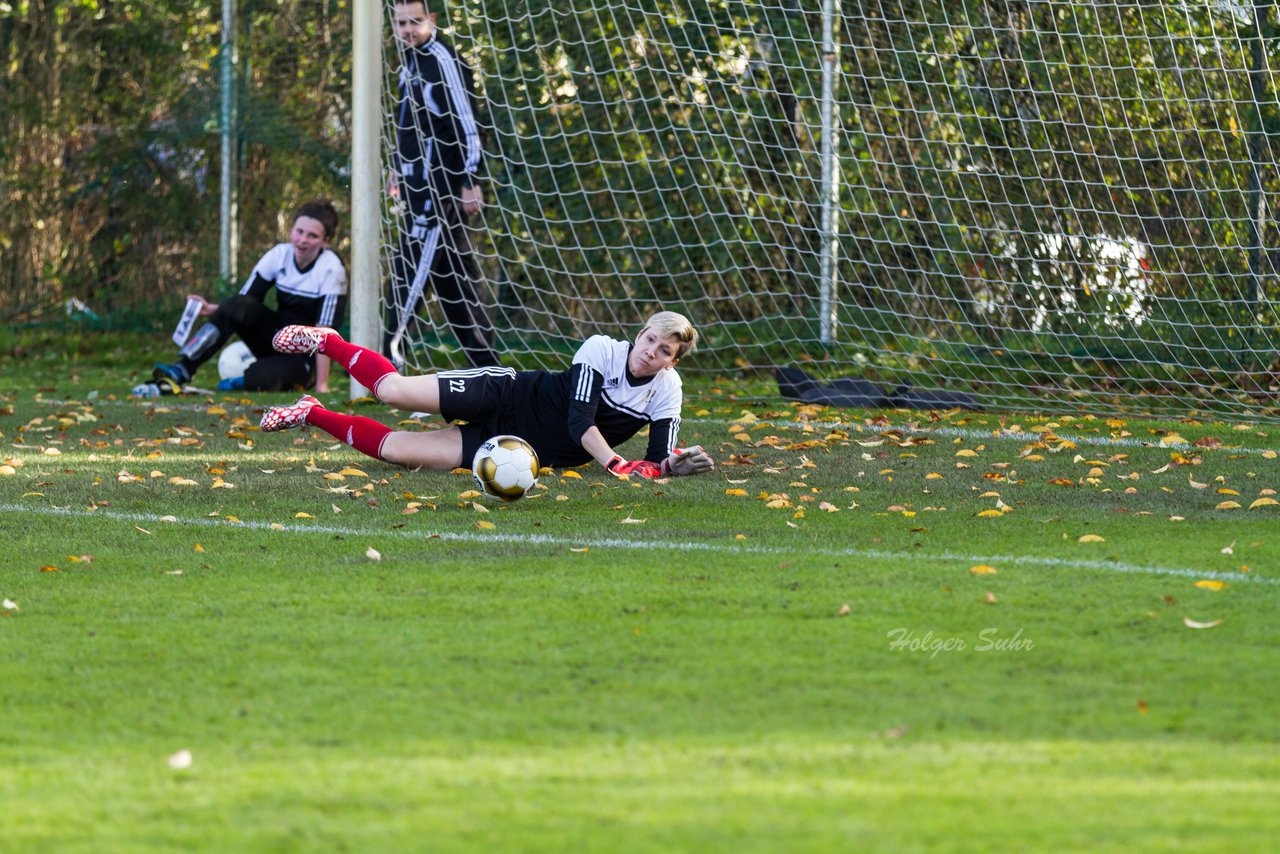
<point x="1091" y="538"/>
<point x="1210" y="584"/>
<point x="1264" y="502"/>
<point x="982" y="569"/>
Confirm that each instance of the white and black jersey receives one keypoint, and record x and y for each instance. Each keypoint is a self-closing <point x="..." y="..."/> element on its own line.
<point x="553" y="410"/>
<point x="315" y="296"/>
<point x="437" y="134"/>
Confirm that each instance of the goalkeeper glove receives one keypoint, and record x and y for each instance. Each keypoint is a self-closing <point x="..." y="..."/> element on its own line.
<point x="685" y="461"/>
<point x="644" y="468"/>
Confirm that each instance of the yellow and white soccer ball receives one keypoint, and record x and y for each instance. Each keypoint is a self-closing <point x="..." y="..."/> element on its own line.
<point x="505" y="467"/>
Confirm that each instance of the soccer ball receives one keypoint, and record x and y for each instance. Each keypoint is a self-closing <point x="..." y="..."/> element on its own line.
<point x="234" y="359"/>
<point x="505" y="467"/>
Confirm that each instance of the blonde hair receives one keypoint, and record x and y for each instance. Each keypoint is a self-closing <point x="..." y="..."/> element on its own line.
<point x="670" y="324"/>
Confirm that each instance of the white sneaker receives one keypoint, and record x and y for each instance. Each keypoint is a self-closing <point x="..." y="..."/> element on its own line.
<point x="158" y="388"/>
<point x="304" y="340"/>
<point x="287" y="417"/>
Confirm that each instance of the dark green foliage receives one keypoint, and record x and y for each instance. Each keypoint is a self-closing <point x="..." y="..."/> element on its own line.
<point x="1036" y="178"/>
<point x="110" y="162"/>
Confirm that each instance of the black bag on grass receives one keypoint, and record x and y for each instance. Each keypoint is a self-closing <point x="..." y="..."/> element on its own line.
<point x="795" y="384"/>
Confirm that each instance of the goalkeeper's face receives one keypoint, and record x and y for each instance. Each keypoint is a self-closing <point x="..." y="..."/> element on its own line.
<point x="413" y="24"/>
<point x="652" y="353"/>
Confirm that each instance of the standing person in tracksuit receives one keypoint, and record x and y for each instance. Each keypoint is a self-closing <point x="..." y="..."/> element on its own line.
<point x="439" y="160"/>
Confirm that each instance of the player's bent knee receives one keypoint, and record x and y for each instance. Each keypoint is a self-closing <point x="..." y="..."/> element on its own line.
<point x="389" y="391"/>
<point x="416" y="393"/>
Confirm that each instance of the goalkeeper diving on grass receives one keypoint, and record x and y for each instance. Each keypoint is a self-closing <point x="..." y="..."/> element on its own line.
<point x="613" y="389"/>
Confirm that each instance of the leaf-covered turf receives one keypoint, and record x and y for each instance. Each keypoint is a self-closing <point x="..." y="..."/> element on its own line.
<point x="863" y="630"/>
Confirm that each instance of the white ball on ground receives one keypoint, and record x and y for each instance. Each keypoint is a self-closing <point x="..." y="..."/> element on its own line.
<point x="234" y="360"/>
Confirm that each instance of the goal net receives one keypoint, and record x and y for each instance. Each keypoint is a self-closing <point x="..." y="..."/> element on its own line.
<point x="1041" y="204"/>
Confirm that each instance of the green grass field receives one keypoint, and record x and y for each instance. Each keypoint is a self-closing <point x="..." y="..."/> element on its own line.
<point x="864" y="631"/>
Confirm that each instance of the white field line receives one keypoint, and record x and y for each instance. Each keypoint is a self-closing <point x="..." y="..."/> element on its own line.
<point x="649" y="545"/>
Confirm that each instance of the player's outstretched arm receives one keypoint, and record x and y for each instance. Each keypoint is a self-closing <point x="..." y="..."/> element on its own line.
<point x="595" y="445"/>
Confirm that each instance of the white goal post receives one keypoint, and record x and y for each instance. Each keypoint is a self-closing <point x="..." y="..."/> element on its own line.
<point x="1041" y="204"/>
<point x="366" y="176"/>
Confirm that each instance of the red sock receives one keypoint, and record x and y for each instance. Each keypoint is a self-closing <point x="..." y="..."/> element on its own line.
<point x="367" y="366"/>
<point x="363" y="434"/>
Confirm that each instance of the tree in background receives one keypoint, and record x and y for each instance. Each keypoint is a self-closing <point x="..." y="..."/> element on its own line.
<point x="109" y="155"/>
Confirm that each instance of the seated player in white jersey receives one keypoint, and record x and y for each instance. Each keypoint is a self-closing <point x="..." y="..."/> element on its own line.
<point x="311" y="287"/>
<point x="613" y="389"/>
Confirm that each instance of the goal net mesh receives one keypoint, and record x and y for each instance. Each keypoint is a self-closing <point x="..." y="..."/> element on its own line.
<point x="1039" y="204"/>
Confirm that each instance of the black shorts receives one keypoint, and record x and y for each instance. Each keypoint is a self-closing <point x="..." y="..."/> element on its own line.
<point x="482" y="398"/>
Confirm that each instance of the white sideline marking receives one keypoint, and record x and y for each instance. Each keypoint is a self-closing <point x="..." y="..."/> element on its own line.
<point x="611" y="543"/>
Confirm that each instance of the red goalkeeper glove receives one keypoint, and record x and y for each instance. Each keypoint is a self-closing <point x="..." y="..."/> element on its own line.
<point x="644" y="468"/>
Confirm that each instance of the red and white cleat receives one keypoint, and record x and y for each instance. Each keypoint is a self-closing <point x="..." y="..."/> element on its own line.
<point x="287" y="417"/>
<point x="305" y="340"/>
